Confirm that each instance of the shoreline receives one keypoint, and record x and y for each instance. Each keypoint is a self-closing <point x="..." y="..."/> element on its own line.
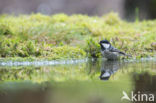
<point x="48" y="62"/>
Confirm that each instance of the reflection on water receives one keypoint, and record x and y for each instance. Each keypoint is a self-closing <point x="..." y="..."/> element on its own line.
<point x="76" y="83"/>
<point x="144" y="83"/>
<point x="108" y="68"/>
<point x="24" y="93"/>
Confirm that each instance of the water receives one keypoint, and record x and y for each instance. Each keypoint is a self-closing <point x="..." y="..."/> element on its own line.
<point x="76" y="81"/>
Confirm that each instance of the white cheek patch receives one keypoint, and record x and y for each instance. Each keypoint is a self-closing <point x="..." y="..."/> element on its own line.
<point x="105" y="45"/>
<point x="106" y="74"/>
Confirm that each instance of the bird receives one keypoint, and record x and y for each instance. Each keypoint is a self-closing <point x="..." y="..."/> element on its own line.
<point x="109" y="52"/>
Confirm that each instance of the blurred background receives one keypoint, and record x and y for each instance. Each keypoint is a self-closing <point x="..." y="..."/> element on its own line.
<point x="127" y="9"/>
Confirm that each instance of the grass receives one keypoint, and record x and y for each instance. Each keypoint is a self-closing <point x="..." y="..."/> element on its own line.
<point x="61" y="36"/>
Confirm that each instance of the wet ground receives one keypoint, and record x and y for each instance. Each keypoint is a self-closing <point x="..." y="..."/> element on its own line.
<point x="77" y="81"/>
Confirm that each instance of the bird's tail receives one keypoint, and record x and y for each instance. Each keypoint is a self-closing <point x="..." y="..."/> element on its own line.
<point x="128" y="55"/>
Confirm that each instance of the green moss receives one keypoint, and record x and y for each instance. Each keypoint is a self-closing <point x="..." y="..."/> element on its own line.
<point x="18" y="48"/>
<point x="5" y="30"/>
<point x="62" y="36"/>
<point x="93" y="48"/>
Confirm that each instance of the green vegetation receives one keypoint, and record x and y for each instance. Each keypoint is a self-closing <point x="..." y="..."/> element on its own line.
<point x="61" y="36"/>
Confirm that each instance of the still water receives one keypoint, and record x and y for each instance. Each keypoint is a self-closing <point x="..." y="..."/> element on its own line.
<point x="80" y="81"/>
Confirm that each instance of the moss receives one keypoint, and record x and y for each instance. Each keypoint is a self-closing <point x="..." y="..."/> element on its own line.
<point x="18" y="48"/>
<point x="112" y="19"/>
<point x="67" y="51"/>
<point x="5" y="30"/>
<point x="61" y="36"/>
<point x="93" y="48"/>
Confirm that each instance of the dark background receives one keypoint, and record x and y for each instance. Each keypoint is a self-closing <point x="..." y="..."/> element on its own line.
<point x="127" y="9"/>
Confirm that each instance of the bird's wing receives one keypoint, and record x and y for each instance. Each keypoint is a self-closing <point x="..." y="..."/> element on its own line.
<point x="112" y="49"/>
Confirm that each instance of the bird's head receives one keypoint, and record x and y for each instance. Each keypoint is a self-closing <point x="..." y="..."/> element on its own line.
<point x="105" y="44"/>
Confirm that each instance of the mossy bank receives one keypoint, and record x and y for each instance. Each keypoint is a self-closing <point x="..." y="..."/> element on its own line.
<point x="62" y="37"/>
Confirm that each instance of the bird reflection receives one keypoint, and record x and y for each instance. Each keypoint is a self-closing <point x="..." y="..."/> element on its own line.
<point x="108" y="68"/>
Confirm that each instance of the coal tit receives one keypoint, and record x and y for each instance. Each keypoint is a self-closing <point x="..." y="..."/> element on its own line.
<point x="110" y="52"/>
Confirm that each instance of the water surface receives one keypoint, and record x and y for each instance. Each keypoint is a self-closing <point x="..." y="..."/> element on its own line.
<point x="83" y="81"/>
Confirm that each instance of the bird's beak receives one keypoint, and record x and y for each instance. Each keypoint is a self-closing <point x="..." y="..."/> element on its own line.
<point x="99" y="42"/>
